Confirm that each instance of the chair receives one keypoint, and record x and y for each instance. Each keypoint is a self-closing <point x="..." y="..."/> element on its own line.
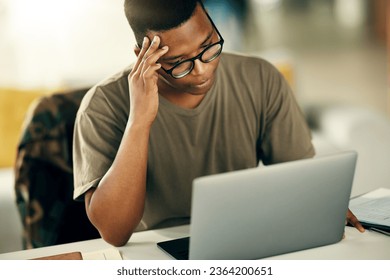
<point x="44" y="174"/>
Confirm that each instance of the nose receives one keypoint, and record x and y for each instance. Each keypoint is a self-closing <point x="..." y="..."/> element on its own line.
<point x="200" y="68"/>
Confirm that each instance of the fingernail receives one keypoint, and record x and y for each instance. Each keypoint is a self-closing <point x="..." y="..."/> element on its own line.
<point x="144" y="41"/>
<point x="165" y="48"/>
<point x="155" y="38"/>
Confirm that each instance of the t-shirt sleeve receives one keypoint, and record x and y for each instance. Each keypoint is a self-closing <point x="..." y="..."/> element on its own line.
<point x="286" y="135"/>
<point x="97" y="136"/>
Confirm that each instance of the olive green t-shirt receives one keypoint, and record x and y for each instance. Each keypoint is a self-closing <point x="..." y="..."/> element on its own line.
<point x="249" y="115"/>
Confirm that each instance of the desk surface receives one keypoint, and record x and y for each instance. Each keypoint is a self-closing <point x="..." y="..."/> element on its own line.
<point x="142" y="246"/>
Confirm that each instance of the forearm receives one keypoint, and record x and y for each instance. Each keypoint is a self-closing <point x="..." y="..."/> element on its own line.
<point x="116" y="206"/>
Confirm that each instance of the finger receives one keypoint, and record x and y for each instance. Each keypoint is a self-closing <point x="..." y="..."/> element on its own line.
<point x="140" y="57"/>
<point x="153" y="47"/>
<point x="150" y="79"/>
<point x="151" y="70"/>
<point x="148" y="67"/>
<point x="152" y="54"/>
<point x="152" y="61"/>
<point x="144" y="47"/>
<point x="357" y="225"/>
<point x="354" y="221"/>
<point x="150" y="76"/>
<point x="154" y="44"/>
<point x="153" y="58"/>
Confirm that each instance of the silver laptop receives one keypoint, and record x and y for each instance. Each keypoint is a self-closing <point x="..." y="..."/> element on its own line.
<point x="266" y="211"/>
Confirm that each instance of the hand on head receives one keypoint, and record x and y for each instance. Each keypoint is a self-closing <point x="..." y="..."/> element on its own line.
<point x="143" y="81"/>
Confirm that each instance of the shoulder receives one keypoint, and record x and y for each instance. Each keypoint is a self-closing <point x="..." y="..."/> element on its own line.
<point x="248" y="69"/>
<point x="231" y="59"/>
<point x="110" y="92"/>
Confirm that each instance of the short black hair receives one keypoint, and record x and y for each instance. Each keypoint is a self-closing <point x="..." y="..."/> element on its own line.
<point x="157" y="15"/>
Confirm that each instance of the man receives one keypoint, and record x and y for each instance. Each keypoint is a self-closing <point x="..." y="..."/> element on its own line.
<point x="183" y="110"/>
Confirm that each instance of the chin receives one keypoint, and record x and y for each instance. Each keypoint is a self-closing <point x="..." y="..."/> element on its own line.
<point x="202" y="88"/>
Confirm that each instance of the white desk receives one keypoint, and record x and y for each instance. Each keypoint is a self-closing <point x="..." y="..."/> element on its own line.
<point x="142" y="246"/>
<point x="11" y="225"/>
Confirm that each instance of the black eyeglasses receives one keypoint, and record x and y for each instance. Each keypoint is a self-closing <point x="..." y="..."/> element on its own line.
<point x="211" y="52"/>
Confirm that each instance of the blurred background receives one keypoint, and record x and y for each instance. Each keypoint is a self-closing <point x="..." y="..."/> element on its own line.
<point x="333" y="53"/>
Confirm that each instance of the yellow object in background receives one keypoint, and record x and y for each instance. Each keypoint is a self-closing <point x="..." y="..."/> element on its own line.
<point x="287" y="71"/>
<point x="13" y="107"/>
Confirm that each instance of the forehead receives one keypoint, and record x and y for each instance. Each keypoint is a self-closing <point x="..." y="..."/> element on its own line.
<point x="188" y="35"/>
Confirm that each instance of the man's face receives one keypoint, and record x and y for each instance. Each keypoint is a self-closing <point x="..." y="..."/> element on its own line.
<point x="187" y="41"/>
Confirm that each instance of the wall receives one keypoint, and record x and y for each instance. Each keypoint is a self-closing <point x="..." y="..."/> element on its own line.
<point x="337" y="53"/>
<point x="388" y="53"/>
<point x="51" y="43"/>
<point x="46" y="45"/>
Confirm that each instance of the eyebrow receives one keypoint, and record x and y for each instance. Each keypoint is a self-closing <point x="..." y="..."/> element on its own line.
<point x="168" y="58"/>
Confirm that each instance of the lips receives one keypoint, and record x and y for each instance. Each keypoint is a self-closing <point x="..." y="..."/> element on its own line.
<point x="203" y="83"/>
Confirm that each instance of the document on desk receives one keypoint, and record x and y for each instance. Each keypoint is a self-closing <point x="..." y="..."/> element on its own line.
<point x="373" y="208"/>
<point x="106" y="254"/>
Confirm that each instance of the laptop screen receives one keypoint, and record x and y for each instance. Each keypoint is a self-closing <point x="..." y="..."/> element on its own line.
<point x="266" y="211"/>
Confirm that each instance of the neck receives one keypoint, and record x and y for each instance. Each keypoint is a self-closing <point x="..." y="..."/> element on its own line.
<point x="184" y="100"/>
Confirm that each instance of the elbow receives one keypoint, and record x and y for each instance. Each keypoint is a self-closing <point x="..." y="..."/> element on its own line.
<point x="115" y="234"/>
<point x="116" y="240"/>
<point x="115" y="228"/>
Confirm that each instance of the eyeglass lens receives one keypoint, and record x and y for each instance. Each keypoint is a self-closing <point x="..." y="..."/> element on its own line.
<point x="208" y="55"/>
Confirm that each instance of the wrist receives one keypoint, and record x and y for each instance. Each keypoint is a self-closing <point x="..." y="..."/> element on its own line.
<point x="138" y="126"/>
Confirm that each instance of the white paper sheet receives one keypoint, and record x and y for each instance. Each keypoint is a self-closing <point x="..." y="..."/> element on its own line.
<point x="107" y="254"/>
<point x="373" y="207"/>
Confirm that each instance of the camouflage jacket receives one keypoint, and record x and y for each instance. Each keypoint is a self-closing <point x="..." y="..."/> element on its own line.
<point x="44" y="176"/>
